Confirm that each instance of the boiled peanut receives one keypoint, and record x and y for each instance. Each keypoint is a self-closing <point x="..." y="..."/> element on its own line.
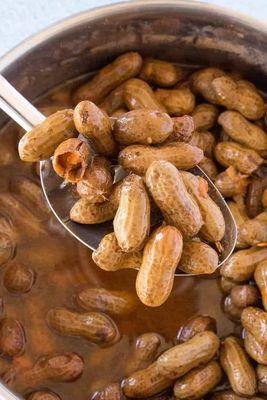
<point x="195" y="325"/>
<point x="202" y="83"/>
<point x="209" y="167"/>
<point x="137" y="158"/>
<point x="12" y="337"/>
<point x="240" y="96"/>
<point x="240" y="216"/>
<point x="161" y="256"/>
<point x="142" y="126"/>
<point x="260" y="276"/>
<point x="132" y="220"/>
<point x="262" y="378"/>
<point x="18" y="278"/>
<point x="183" y="128"/>
<point x="205" y="116"/>
<point x="264" y="198"/>
<point x="255" y="231"/>
<point x="199" y="382"/>
<point x="244" y="295"/>
<point x="181" y="358"/>
<point x="43" y="395"/>
<point x="254" y="320"/>
<point x="6" y="248"/>
<point x="146" y="382"/>
<point x="114" y="101"/>
<point x="138" y="94"/>
<point x="71" y="159"/>
<point x="109" y="77"/>
<point x="110" y="257"/>
<point x="4" y="367"/>
<point x="177" y="102"/>
<point x="198" y="258"/>
<point x="97" y="181"/>
<point x="168" y="190"/>
<point x="241" y="265"/>
<point x="205" y="141"/>
<point x="112" y="391"/>
<point x="95" y="125"/>
<point x="230" y="395"/>
<point x="231" y="182"/>
<point x="160" y="73"/>
<point x="243" y="131"/>
<point x="116" y="302"/>
<point x="226" y="285"/>
<point x="255" y="192"/>
<point x="255" y="349"/>
<point x="118" y="113"/>
<point x="41" y="142"/>
<point x="233" y="312"/>
<point x="92" y="326"/>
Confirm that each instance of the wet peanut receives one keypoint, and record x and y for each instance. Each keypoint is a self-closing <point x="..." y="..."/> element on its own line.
<point x="43" y="395"/>
<point x="115" y="302"/>
<point x="201" y="82"/>
<point x="41" y="142"/>
<point x="118" y="113"/>
<point x="95" y="125"/>
<point x="160" y="73"/>
<point x="230" y="395"/>
<point x="264" y="198"/>
<point x="132" y="220"/>
<point x="240" y="96"/>
<point x="183" y="128"/>
<point x="198" y="258"/>
<point x="161" y="256"/>
<point x="226" y="285"/>
<point x="233" y="312"/>
<point x="114" y="101"/>
<point x="181" y="358"/>
<point x="241" y="265"/>
<point x="262" y="378"/>
<point x="205" y="116"/>
<point x="254" y="231"/>
<point x="137" y="158"/>
<point x="109" y="77"/>
<point x="18" y="278"/>
<point x="138" y="94"/>
<point x="255" y="193"/>
<point x="205" y="141"/>
<point x="177" y="102"/>
<point x="6" y="248"/>
<point x="260" y="276"/>
<point x="240" y="216"/>
<point x="255" y="349"/>
<point x="92" y="326"/>
<point x="209" y="167"/>
<point x="197" y="383"/>
<point x="112" y="391"/>
<point x="244" y="295"/>
<point x="110" y="257"/>
<point x="12" y="337"/>
<point x="254" y="320"/>
<point x="231" y="182"/>
<point x="195" y="325"/>
<point x="237" y="367"/>
<point x="168" y="190"/>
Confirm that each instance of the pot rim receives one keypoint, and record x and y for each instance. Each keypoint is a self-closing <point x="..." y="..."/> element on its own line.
<point x="75" y="20"/>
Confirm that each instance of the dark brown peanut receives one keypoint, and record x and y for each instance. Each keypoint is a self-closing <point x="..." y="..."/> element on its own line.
<point x="260" y="276"/>
<point x="261" y="371"/>
<point x="109" y="77"/>
<point x="255" y="349"/>
<point x="198" y="258"/>
<point x="254" y="232"/>
<point x="177" y="102"/>
<point x="245" y="295"/>
<point x="233" y="312"/>
<point x="230" y="395"/>
<point x="183" y="128"/>
<point x="6" y="248"/>
<point x="205" y="141"/>
<point x="160" y="73"/>
<point x="12" y="337"/>
<point x="226" y="285"/>
<point x="209" y="167"/>
<point x="43" y="395"/>
<point x="240" y="216"/>
<point x="254" y="320"/>
<point x="138" y="94"/>
<point x="195" y="325"/>
<point x="92" y="326"/>
<point x="118" y="113"/>
<point x="112" y="391"/>
<point x="264" y="198"/>
<point x="181" y="358"/>
<point x="137" y="158"/>
<point x="197" y="383"/>
<point x="95" y="125"/>
<point x="114" y="101"/>
<point x="254" y="194"/>
<point x="205" y="116"/>
<point x="18" y="278"/>
<point x="202" y="83"/>
<point x="231" y="182"/>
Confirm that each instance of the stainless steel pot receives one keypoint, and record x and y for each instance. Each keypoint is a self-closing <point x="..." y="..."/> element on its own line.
<point x="181" y="31"/>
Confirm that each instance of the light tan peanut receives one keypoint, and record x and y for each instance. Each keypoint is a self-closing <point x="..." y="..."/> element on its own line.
<point x="146" y="382"/>
<point x="261" y="371"/>
<point x="137" y="158"/>
<point x="233" y="312"/>
<point x="241" y="265"/>
<point x="237" y="367"/>
<point x="260" y="276"/>
<point x="12" y="337"/>
<point x="109" y="77"/>
<point x="226" y="285"/>
<point x="110" y="257"/>
<point x="209" y="167"/>
<point x="95" y="125"/>
<point x="255" y="231"/>
<point x="115" y="302"/>
<point x="255" y="192"/>
<point x="132" y="220"/>
<point x="205" y="116"/>
<point x="114" y="101"/>
<point x="6" y="248"/>
<point x="205" y="141"/>
<point x="41" y="142"/>
<point x="231" y="182"/>
<point x="92" y="326"/>
<point x="97" y="181"/>
<point x="112" y="391"/>
<point x="198" y="258"/>
<point x="244" y="159"/>
<point x="43" y="395"/>
<point x="240" y="216"/>
<point x="245" y="295"/>
<point x="264" y="198"/>
<point x="181" y="358"/>
<point x="255" y="349"/>
<point x="177" y="102"/>
<point x="195" y="325"/>
<point x="138" y="94"/>
<point x="197" y="383"/>
<point x="243" y="131"/>
<point x="160" y="73"/>
<point x="169" y="192"/>
<point x="161" y="256"/>
<point x="230" y="395"/>
<point x="183" y="128"/>
<point x="18" y="278"/>
<point x="142" y="126"/>
<point x="240" y="96"/>
<point x="254" y="320"/>
<point x="201" y="82"/>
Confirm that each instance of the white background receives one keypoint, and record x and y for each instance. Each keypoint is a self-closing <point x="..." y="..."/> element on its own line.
<point x="22" y="18"/>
